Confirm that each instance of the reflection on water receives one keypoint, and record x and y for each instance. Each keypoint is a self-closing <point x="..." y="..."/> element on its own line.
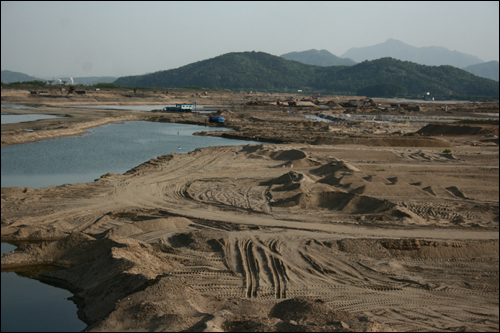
<point x="31" y="306"/>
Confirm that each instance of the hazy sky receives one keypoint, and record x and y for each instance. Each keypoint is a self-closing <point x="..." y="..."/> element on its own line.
<point x="68" y="38"/>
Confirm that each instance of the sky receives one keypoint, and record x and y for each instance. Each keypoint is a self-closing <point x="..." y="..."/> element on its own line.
<point x="67" y="38"/>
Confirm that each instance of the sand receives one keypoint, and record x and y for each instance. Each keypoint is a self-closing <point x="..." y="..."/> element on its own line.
<point x="363" y="228"/>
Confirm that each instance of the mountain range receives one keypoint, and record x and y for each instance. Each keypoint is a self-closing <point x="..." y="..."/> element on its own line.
<point x="487" y="70"/>
<point x="10" y="76"/>
<point x="265" y="72"/>
<point x="319" y="58"/>
<point x="430" y="56"/>
<point x="315" y="70"/>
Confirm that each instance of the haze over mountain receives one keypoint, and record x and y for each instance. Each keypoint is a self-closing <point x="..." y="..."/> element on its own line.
<point x="430" y="56"/>
<point x="94" y="79"/>
<point x="10" y="76"/>
<point x="487" y="70"/>
<point x="318" y="58"/>
<point x="265" y="72"/>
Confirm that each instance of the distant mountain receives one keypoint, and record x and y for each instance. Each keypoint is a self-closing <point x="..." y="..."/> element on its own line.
<point x="94" y="79"/>
<point x="487" y="70"/>
<point x="318" y="58"/>
<point x="430" y="56"/>
<point x="10" y="76"/>
<point x="265" y="72"/>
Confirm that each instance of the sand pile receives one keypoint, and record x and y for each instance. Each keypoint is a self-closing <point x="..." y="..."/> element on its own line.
<point x="382" y="141"/>
<point x="457" y="129"/>
<point x="255" y="103"/>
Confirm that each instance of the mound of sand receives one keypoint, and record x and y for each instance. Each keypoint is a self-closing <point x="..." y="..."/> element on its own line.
<point x="287" y="178"/>
<point x="346" y="203"/>
<point x="163" y="224"/>
<point x="380" y="141"/>
<point x="287" y="155"/>
<point x="438" y="191"/>
<point x="280" y="155"/>
<point x="126" y="230"/>
<point x="334" y="167"/>
<point x="457" y="129"/>
<point x="389" y="190"/>
<point x="37" y="233"/>
<point x="300" y="163"/>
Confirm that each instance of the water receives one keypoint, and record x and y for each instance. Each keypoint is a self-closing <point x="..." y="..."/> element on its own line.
<point x="27" y="304"/>
<point x="7" y="247"/>
<point x="31" y="306"/>
<point x="8" y="118"/>
<point x="114" y="148"/>
<point x="15" y="106"/>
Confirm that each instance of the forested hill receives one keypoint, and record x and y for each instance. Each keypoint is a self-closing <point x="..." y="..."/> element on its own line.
<point x="411" y="78"/>
<point x="246" y="70"/>
<point x="265" y="72"/>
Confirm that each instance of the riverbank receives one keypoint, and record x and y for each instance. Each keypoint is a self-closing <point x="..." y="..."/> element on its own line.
<point x="381" y="231"/>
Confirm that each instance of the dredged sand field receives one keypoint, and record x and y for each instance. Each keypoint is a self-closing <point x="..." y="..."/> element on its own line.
<point x="311" y="235"/>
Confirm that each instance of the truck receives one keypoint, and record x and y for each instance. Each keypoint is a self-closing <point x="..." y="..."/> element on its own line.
<point x="216" y="119"/>
<point x="180" y="108"/>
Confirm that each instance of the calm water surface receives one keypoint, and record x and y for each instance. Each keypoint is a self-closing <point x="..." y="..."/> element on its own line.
<point x="9" y="118"/>
<point x="16" y="106"/>
<point x="27" y="304"/>
<point x="114" y="148"/>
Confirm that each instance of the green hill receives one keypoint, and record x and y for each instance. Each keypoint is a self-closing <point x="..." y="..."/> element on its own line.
<point x="264" y="72"/>
<point x="415" y="78"/>
<point x="236" y="71"/>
